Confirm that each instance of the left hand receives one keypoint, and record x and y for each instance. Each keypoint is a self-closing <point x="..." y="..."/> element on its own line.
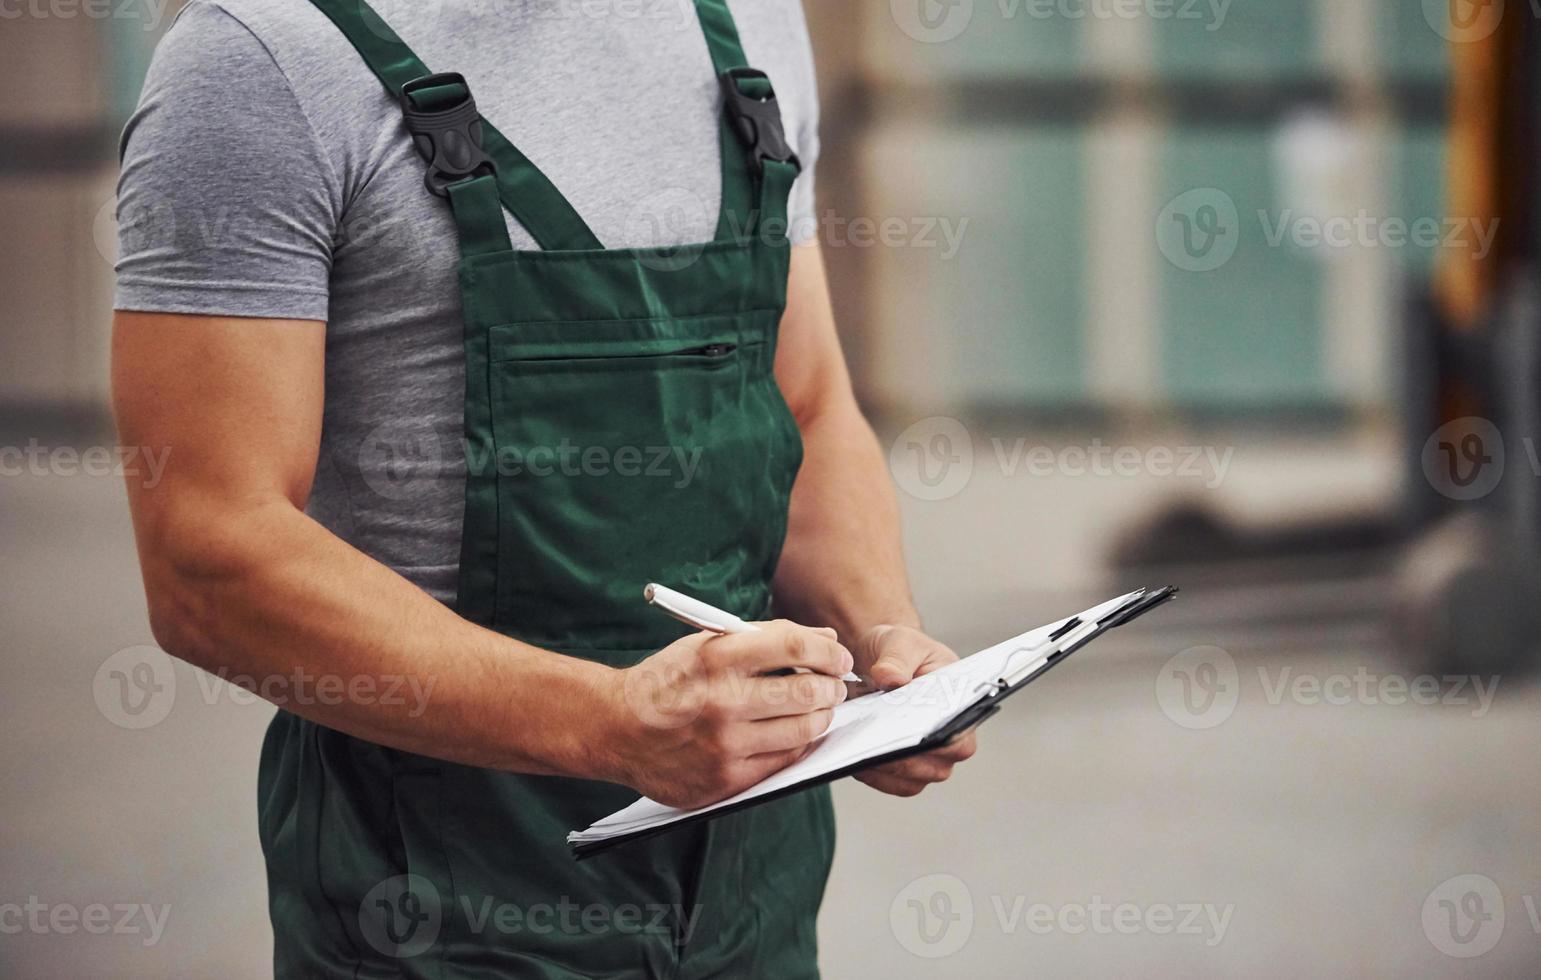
<point x="890" y="657"/>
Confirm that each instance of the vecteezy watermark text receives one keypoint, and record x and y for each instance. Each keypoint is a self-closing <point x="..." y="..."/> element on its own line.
<point x="1200" y="230"/>
<point x="402" y="917"/>
<point x="302" y="688"/>
<point x="1206" y="463"/>
<point x="151" y="12"/>
<point x="136" y="688"/>
<point x="935" y="915"/>
<point x="400" y="460"/>
<point x="935" y="459"/>
<point x="96" y="918"/>
<point x="1366" y="230"/>
<point x="939" y="21"/>
<point x="1200" y="688"/>
<point x="144" y="463"/>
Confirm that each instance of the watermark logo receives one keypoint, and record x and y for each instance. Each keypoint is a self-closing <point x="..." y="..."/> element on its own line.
<point x="660" y="222"/>
<point x="933" y="916"/>
<point x="933" y="459"/>
<point x="145" y="222"/>
<point x="932" y="21"/>
<point x="1199" y="688"/>
<point x="660" y="691"/>
<point x="1463" y="916"/>
<point x="1199" y="230"/>
<point x="400" y="460"/>
<point x="401" y="916"/>
<point x="1464" y="458"/>
<point x="135" y="687"/>
<point x="1464" y="21"/>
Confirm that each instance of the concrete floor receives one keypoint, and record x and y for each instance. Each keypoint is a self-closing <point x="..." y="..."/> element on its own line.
<point x="1307" y="839"/>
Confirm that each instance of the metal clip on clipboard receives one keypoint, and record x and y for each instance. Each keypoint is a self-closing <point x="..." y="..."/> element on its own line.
<point x="1035" y="660"/>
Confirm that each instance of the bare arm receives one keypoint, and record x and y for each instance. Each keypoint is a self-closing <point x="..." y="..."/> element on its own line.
<point x="843" y="564"/>
<point x="239" y="579"/>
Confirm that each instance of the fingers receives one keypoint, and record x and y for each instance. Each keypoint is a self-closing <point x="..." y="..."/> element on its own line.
<point x="768" y="763"/>
<point x="891" y="784"/>
<point x="919" y="768"/>
<point x="907" y="777"/>
<point x="783" y="734"/>
<point x="780" y="645"/>
<point x="898" y="654"/>
<point x="960" y="749"/>
<point x="776" y="697"/>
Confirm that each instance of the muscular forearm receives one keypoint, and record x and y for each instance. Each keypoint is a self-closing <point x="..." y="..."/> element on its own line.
<point x="843" y="565"/>
<point x="264" y="596"/>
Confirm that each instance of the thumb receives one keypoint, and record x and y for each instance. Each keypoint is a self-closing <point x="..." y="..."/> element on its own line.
<point x="893" y="655"/>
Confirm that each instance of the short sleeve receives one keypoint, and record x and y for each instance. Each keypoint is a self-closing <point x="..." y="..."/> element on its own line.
<point x="227" y="204"/>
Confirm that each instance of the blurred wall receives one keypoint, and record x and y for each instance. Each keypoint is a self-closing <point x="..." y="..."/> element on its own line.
<point x="72" y="77"/>
<point x="994" y="181"/>
<point x="1063" y="147"/>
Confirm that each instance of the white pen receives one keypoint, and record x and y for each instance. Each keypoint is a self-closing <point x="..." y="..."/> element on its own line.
<point x="703" y="616"/>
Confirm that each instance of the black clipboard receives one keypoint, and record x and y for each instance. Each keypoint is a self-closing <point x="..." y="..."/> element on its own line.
<point x="988" y="704"/>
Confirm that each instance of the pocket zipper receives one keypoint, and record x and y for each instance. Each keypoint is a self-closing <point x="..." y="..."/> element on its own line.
<point x="710" y="350"/>
<point x="707" y="350"/>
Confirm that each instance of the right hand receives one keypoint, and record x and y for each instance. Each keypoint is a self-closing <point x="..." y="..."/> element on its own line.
<point x="700" y="721"/>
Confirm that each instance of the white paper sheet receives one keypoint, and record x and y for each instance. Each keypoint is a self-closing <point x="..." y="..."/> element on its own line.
<point x="875" y="724"/>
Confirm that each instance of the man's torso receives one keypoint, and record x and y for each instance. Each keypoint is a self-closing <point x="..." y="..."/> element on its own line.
<point x="616" y="102"/>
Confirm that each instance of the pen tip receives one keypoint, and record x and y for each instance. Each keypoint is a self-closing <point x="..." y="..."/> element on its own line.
<point x="647" y="591"/>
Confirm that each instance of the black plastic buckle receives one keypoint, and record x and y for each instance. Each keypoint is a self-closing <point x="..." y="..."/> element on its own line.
<point x="757" y="121"/>
<point x="449" y="139"/>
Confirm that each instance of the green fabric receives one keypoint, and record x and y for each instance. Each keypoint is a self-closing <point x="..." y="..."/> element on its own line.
<point x="479" y="217"/>
<point x="623" y="425"/>
<point x="737" y="198"/>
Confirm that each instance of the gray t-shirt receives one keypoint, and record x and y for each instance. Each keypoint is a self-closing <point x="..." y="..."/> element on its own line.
<point x="266" y="174"/>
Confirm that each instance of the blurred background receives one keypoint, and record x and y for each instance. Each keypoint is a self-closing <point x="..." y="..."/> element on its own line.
<point x="1237" y="295"/>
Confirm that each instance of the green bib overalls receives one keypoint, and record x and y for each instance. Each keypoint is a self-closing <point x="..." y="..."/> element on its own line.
<point x="386" y="864"/>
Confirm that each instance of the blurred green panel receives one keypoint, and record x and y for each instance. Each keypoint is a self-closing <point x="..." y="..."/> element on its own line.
<point x="1022" y="277"/>
<point x="1408" y="44"/>
<point x="1243" y="38"/>
<point x="1001" y="321"/>
<point x="952" y="39"/>
<point x="1246" y="334"/>
<point x="1420" y="188"/>
<point x="130" y="42"/>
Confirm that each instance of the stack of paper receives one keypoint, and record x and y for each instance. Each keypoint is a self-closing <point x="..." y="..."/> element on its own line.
<point x="876" y="724"/>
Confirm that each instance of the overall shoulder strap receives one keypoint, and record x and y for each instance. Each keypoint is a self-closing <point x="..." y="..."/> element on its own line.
<point x="758" y="166"/>
<point x="526" y="192"/>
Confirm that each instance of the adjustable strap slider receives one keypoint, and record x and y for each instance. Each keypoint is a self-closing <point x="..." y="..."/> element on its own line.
<point x="448" y="132"/>
<point x="756" y="120"/>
